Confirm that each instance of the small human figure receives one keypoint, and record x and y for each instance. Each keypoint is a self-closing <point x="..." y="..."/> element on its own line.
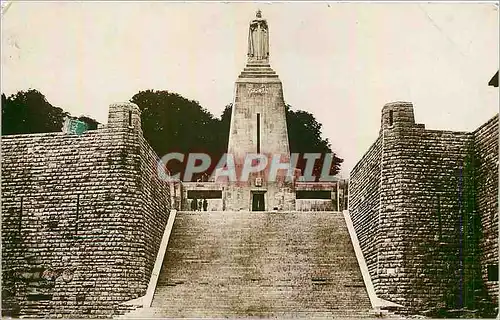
<point x="205" y="204"/>
<point x="194" y="204"/>
<point x="200" y="204"/>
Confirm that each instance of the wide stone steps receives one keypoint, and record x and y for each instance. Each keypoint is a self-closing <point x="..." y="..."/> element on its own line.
<point x="252" y="69"/>
<point x="248" y="264"/>
<point x="258" y="65"/>
<point x="257" y="75"/>
<point x="258" y="71"/>
<point x="153" y="312"/>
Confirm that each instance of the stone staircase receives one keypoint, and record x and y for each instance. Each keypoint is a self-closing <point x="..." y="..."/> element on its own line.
<point x="265" y="264"/>
<point x="258" y="70"/>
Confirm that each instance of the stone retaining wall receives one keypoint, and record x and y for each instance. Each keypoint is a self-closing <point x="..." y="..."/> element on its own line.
<point x="364" y="203"/>
<point x="486" y="145"/>
<point x="406" y="195"/>
<point x="82" y="219"/>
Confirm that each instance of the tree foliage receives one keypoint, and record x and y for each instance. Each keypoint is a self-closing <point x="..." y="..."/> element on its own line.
<point x="304" y="136"/>
<point x="172" y="123"/>
<point x="30" y="112"/>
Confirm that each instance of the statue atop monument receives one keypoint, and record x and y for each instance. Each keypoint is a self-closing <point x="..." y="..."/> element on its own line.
<point x="258" y="39"/>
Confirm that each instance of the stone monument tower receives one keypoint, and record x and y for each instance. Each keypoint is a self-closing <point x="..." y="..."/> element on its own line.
<point x="258" y="126"/>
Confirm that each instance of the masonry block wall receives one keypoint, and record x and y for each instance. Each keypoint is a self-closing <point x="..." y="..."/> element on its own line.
<point x="486" y="146"/>
<point x="364" y="203"/>
<point x="155" y="206"/>
<point x="417" y="262"/>
<point x="82" y="219"/>
<point x="405" y="201"/>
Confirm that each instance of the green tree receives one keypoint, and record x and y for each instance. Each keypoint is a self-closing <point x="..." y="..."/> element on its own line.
<point x="304" y="136"/>
<point x="30" y="112"/>
<point x="225" y="124"/>
<point x="172" y="123"/>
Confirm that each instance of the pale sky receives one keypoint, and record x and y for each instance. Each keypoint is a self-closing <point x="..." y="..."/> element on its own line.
<point x="340" y="61"/>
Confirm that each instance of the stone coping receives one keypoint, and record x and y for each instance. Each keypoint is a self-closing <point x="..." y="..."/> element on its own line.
<point x="377" y="303"/>
<point x="146" y="300"/>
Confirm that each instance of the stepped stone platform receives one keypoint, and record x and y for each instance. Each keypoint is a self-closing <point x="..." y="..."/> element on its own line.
<point x="258" y="70"/>
<point x="259" y="264"/>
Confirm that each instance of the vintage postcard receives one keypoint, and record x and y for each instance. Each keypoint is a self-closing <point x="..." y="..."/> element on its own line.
<point x="312" y="160"/>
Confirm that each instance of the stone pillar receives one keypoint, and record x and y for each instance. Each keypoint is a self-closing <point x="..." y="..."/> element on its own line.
<point x="397" y="114"/>
<point x="124" y="115"/>
<point x="395" y="117"/>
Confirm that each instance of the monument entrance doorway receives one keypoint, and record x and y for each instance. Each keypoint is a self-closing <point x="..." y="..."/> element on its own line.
<point x="258" y="203"/>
